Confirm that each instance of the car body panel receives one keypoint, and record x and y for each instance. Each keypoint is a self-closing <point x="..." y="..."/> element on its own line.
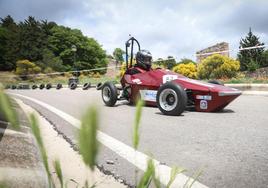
<point x="206" y="97"/>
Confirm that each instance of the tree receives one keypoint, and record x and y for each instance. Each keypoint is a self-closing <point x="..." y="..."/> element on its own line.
<point x="48" y="45"/>
<point x="186" y="61"/>
<point x="217" y="66"/>
<point x="9" y="32"/>
<point x="3" y="40"/>
<point x="88" y="55"/>
<point x="264" y="62"/>
<point x="33" y="39"/>
<point x="118" y="55"/>
<point x="253" y="56"/>
<point x="49" y="60"/>
<point x="168" y="63"/>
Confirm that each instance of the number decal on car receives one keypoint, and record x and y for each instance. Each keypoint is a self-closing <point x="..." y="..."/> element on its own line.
<point x="168" y="78"/>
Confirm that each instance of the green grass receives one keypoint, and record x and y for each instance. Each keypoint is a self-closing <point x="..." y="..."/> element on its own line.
<point x="246" y="81"/>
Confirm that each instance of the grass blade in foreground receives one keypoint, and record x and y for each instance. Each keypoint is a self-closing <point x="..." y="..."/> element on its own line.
<point x="137" y="124"/>
<point x="189" y="183"/>
<point x="58" y="170"/>
<point x="88" y="137"/>
<point x="37" y="135"/>
<point x="147" y="176"/>
<point x="7" y="110"/>
<point x="174" y="172"/>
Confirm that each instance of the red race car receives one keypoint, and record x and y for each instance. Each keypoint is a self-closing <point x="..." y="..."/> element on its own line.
<point x="172" y="93"/>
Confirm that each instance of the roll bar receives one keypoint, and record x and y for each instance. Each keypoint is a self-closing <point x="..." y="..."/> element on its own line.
<point x="130" y="43"/>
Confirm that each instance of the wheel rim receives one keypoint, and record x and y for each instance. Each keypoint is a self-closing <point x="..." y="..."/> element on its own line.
<point x="168" y="99"/>
<point x="106" y="94"/>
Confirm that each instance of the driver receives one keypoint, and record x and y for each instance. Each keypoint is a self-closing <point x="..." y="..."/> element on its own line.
<point x="143" y="62"/>
<point x="144" y="59"/>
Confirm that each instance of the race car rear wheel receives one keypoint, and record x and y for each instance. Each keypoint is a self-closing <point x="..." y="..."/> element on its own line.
<point x="109" y="94"/>
<point x="171" y="99"/>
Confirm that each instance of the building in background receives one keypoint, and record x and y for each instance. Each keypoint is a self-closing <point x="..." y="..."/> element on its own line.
<point x="222" y="48"/>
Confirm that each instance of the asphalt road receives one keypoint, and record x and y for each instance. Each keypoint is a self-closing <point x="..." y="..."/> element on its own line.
<point x="230" y="147"/>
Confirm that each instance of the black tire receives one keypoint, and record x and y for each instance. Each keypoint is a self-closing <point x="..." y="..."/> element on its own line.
<point x="73" y="86"/>
<point x="59" y="86"/>
<point x="215" y="82"/>
<point x="86" y="86"/>
<point x="99" y="86"/>
<point x="109" y="94"/>
<point x="42" y="86"/>
<point x="13" y="87"/>
<point x="171" y="99"/>
<point x="48" y="86"/>
<point x="34" y="86"/>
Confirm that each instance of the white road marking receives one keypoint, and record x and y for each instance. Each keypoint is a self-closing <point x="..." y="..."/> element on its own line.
<point x="264" y="93"/>
<point x="128" y="153"/>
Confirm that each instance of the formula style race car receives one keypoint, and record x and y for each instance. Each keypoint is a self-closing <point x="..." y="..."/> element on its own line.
<point x="172" y="93"/>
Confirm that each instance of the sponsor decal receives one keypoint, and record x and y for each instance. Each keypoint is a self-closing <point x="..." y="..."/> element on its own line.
<point x="137" y="81"/>
<point x="203" y="104"/>
<point x="168" y="78"/>
<point x="148" y="95"/>
<point x="204" y="97"/>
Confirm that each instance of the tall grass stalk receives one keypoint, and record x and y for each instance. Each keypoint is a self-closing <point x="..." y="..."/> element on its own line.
<point x="136" y="134"/>
<point x="88" y="143"/>
<point x="36" y="132"/>
<point x="136" y="137"/>
<point x="8" y="111"/>
<point x="149" y="176"/>
<point x="58" y="170"/>
<point x="174" y="172"/>
<point x="191" y="180"/>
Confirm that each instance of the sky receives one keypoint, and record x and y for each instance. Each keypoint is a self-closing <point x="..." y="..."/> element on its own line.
<point x="164" y="27"/>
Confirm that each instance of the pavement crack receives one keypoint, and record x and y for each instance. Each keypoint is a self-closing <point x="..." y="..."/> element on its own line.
<point x="76" y="149"/>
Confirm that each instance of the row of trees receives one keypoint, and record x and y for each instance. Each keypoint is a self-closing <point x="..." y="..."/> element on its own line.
<point x="47" y="45"/>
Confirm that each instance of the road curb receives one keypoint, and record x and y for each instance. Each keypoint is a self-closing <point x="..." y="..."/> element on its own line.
<point x="21" y="164"/>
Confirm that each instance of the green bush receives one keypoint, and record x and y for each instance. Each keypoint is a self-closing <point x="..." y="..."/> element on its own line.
<point x="217" y="66"/>
<point x="189" y="70"/>
<point x="25" y="67"/>
<point x="252" y="66"/>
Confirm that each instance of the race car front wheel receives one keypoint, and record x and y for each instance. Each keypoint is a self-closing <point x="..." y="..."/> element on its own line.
<point x="109" y="93"/>
<point x="171" y="99"/>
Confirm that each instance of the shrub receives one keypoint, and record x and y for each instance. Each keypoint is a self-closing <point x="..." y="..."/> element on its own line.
<point x="155" y="66"/>
<point x="252" y="66"/>
<point x="217" y="66"/>
<point x="123" y="67"/>
<point x="25" y="67"/>
<point x="168" y="63"/>
<point x="188" y="70"/>
<point x="186" y="61"/>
